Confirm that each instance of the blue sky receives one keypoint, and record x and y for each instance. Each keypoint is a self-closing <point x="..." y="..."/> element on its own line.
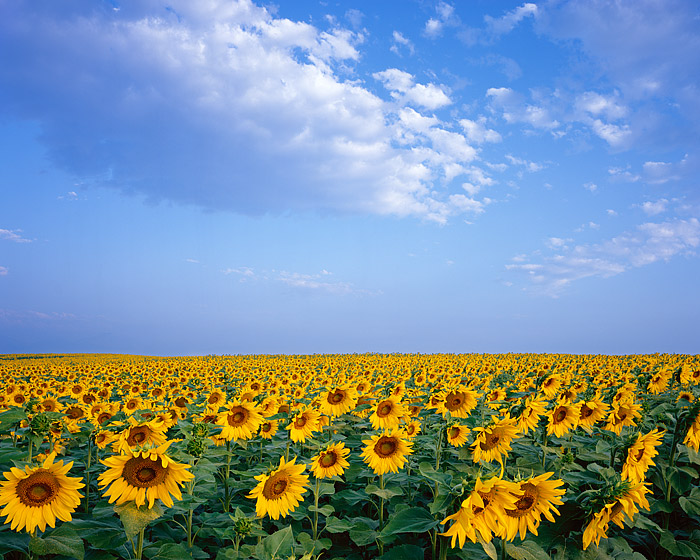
<point x="234" y="177"/>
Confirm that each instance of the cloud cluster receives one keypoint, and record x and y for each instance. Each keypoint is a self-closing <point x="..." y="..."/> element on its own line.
<point x="650" y="242"/>
<point x="13" y="235"/>
<point x="224" y="106"/>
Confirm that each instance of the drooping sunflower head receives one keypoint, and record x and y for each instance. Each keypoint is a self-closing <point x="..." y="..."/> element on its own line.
<point x="494" y="440"/>
<point x="35" y="497"/>
<point x="539" y="497"/>
<point x="280" y="491"/>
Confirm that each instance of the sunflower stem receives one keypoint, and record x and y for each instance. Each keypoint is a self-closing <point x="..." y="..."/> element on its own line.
<point x="139" y="545"/>
<point x="227" y="474"/>
<point x="315" y="527"/>
<point x="87" y="477"/>
<point x="504" y="553"/>
<point x="381" y="504"/>
<point x="29" y="453"/>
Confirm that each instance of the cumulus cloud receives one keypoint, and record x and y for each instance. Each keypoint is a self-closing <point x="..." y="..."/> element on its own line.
<point x="514" y="109"/>
<point x="654" y="208"/>
<point x="507" y="22"/>
<point x="477" y="132"/>
<point x="400" y="43"/>
<point x="444" y="17"/>
<point x="224" y="106"/>
<point x="648" y="243"/>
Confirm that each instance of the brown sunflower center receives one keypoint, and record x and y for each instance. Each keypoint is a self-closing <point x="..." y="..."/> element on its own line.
<point x="490" y="441"/>
<point x="75" y="412"/>
<point x="144" y="472"/>
<point x="586" y="411"/>
<point x="487" y="500"/>
<point x="275" y="486"/>
<point x="300" y="421"/>
<point x="560" y="415"/>
<point x="454" y="432"/>
<point x="328" y="459"/>
<point x="238" y="416"/>
<point x="180" y="402"/>
<point x="103" y="417"/>
<point x="266" y="427"/>
<point x="49" y="406"/>
<point x="639" y="454"/>
<point x="384" y="409"/>
<point x="336" y="396"/>
<point x="454" y="401"/>
<point x="138" y="435"/>
<point x="526" y="502"/>
<point x="385" y="446"/>
<point x="38" y="489"/>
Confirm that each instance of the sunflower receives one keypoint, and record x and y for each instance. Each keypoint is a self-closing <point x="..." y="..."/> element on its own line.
<point x="241" y="421"/>
<point x="530" y="416"/>
<point x="35" y="497"/>
<point x="623" y="414"/>
<point x="147" y="433"/>
<point x="640" y="455"/>
<point x="50" y="404"/>
<point x="387" y="414"/>
<point x="615" y="511"/>
<point x="459" y="403"/>
<point x="494" y="441"/>
<point x="268" y="428"/>
<point x="457" y="434"/>
<point x="590" y="412"/>
<point x="305" y="423"/>
<point x="331" y="461"/>
<point x="215" y="400"/>
<point x="386" y="453"/>
<point x="338" y="401"/>
<point x="280" y="491"/>
<point x="551" y="385"/>
<point x="562" y="419"/>
<point x="412" y="429"/>
<point x="146" y="474"/>
<point x="103" y="438"/>
<point x="483" y="513"/>
<point x="539" y="497"/>
<point x="692" y="438"/>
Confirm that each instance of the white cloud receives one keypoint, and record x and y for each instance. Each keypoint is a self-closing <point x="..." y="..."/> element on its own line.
<point x="445" y="17"/>
<point x="623" y="174"/>
<point x="229" y="107"/>
<point x="477" y="132"/>
<point x="659" y="172"/>
<point x="654" y="208"/>
<point x="530" y="166"/>
<point x="507" y="22"/>
<point x="649" y="243"/>
<point x="611" y="212"/>
<point x="401" y="42"/>
<point x="590" y="187"/>
<point x="3" y="271"/>
<point x="514" y="109"/>
<point x="14" y="235"/>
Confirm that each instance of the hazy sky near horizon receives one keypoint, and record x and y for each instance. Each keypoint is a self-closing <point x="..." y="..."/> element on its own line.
<point x="239" y="177"/>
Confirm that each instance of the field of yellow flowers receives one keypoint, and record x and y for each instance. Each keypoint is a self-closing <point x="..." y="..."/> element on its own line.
<point x="524" y="456"/>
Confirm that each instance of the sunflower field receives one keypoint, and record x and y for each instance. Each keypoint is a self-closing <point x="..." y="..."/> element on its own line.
<point x="358" y="457"/>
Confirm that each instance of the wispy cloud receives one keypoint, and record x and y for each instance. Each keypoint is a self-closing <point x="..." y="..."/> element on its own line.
<point x="444" y="17"/>
<point x="23" y="315"/>
<point x="14" y="235"/>
<point x="3" y="271"/>
<point x="401" y="43"/>
<point x="648" y="243"/>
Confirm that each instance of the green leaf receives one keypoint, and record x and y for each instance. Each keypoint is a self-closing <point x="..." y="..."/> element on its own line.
<point x="136" y="518"/>
<point x="428" y="471"/>
<point x="277" y="545"/>
<point x="690" y="505"/>
<point x="411" y="520"/>
<point x="172" y="551"/>
<point x="489" y="549"/>
<point x="386" y="493"/>
<point x="323" y="510"/>
<point x="528" y="550"/>
<point x="335" y="525"/>
<point x="10" y="540"/>
<point x="403" y="552"/>
<point x="11" y="417"/>
<point x="362" y="536"/>
<point x="63" y="540"/>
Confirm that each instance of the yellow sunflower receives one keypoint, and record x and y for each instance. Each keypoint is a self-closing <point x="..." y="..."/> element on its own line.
<point x="268" y="428"/>
<point x="483" y="513"/>
<point x="338" y="401"/>
<point x="386" y="453"/>
<point x="562" y="419"/>
<point x="692" y="438"/>
<point x="146" y="474"/>
<point x="459" y="403"/>
<point x="457" y="434"/>
<point x="640" y="456"/>
<point x="615" y="511"/>
<point x="623" y="414"/>
<point x="304" y="424"/>
<point x="148" y="433"/>
<point x="240" y="421"/>
<point x="388" y="413"/>
<point x="35" y="497"/>
<point x="590" y="412"/>
<point x="493" y="441"/>
<point x="530" y="416"/>
<point x="539" y="497"/>
<point x="280" y="491"/>
<point x="331" y="461"/>
<point x="412" y="429"/>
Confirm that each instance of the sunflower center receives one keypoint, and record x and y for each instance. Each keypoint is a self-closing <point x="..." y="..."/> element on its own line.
<point x="490" y="441"/>
<point x="328" y="460"/>
<point x="526" y="503"/>
<point x="103" y="417"/>
<point x="75" y="412"/>
<point x="38" y="489"/>
<point x="454" y="401"/>
<point x="454" y="432"/>
<point x="487" y="500"/>
<point x="559" y="415"/>
<point x="144" y="473"/>
<point x="213" y="399"/>
<point x="137" y="436"/>
<point x="638" y="456"/>
<point x="300" y="421"/>
<point x="237" y="417"/>
<point x="385" y="447"/>
<point x="585" y="411"/>
<point x="384" y="409"/>
<point x="336" y="397"/>
<point x="275" y="486"/>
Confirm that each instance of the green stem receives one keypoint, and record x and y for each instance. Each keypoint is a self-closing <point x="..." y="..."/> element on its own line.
<point x="315" y="527"/>
<point x="29" y="453"/>
<point x="227" y="474"/>
<point x="139" y="545"/>
<point x="87" y="477"/>
<point x="504" y="554"/>
<point x="381" y="503"/>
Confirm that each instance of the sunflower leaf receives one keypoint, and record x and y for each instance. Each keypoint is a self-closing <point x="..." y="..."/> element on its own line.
<point x="277" y="545"/>
<point x="136" y="518"/>
<point x="528" y="550"/>
<point x="403" y="552"/>
<point x="63" y="540"/>
<point x="386" y="493"/>
<point x="411" y="520"/>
